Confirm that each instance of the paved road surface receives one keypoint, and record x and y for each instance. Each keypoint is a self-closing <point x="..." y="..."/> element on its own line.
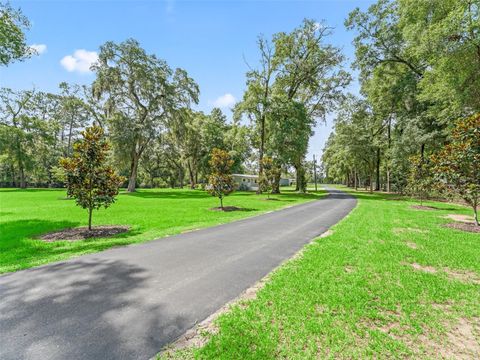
<point x="127" y="303"/>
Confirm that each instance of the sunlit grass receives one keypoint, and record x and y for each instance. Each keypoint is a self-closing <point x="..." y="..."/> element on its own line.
<point x="355" y="293"/>
<point x="25" y="214"/>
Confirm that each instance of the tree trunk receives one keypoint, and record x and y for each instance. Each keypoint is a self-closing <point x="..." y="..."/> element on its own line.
<point x="389" y="132"/>
<point x="191" y="175"/>
<point x="21" y="166"/>
<point x="23" y="183"/>
<point x="377" y="184"/>
<point x="90" y="219"/>
<point x="133" y="173"/>
<point x="355" y="179"/>
<point x="261" y="150"/>
<point x="300" y="175"/>
<point x="70" y="137"/>
<point x="388" y="180"/>
<point x="181" y="177"/>
<point x="276" y="185"/>
<point x="475" y="215"/>
<point x="221" y="202"/>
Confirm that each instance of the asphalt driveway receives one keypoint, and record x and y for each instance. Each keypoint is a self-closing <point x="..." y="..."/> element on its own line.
<point x="127" y="303"/>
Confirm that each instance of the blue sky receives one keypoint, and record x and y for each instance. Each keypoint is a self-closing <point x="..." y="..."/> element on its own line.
<point x="209" y="39"/>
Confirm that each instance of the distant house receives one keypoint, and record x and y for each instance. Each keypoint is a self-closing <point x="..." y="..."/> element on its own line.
<point x="250" y="182"/>
<point x="246" y="182"/>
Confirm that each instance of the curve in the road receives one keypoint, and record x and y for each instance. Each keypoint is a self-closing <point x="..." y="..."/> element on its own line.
<point x="127" y="303"/>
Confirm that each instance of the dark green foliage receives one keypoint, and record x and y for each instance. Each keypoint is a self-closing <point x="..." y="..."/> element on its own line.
<point x="220" y="181"/>
<point x="89" y="179"/>
<point x="457" y="165"/>
<point x="13" y="44"/>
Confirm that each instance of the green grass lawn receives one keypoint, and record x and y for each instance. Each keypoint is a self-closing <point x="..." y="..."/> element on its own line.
<point x="25" y="214"/>
<point x="390" y="282"/>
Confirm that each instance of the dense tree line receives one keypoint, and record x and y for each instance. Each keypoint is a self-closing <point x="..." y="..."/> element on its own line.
<point x="157" y="139"/>
<point x="419" y="67"/>
<point x="146" y="110"/>
<point x="143" y="106"/>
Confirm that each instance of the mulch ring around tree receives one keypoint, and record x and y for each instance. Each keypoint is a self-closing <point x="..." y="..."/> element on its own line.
<point x="423" y="207"/>
<point x="82" y="233"/>
<point x="470" y="227"/>
<point x="227" y="208"/>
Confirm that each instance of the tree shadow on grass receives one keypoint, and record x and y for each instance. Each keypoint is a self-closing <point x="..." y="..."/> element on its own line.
<point x="28" y="190"/>
<point x="89" y="308"/>
<point x="14" y="231"/>
<point x="20" y="248"/>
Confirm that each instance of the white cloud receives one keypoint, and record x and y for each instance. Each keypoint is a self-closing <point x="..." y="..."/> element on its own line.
<point x="80" y="61"/>
<point x="39" y="48"/>
<point x="225" y="101"/>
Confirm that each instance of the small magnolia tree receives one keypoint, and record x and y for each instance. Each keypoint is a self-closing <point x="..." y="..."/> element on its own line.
<point x="269" y="176"/>
<point x="88" y="177"/>
<point x="457" y="165"/>
<point x="220" y="181"/>
<point x="420" y="178"/>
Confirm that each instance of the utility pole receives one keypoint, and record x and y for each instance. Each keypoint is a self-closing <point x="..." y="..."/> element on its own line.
<point x="315" y="171"/>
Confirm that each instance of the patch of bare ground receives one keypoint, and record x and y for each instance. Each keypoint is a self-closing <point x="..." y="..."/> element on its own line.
<point x="461" y="218"/>
<point x="390" y="323"/>
<point x="411" y="245"/>
<point x="465" y="276"/>
<point x="423" y="207"/>
<point x="82" y="233"/>
<point x="464" y="227"/>
<point x="460" y="339"/>
<point x="424" y="268"/>
<point x="408" y="229"/>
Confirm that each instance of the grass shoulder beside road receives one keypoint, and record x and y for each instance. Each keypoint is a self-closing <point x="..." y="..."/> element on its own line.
<point x="151" y="214"/>
<point x="390" y="282"/>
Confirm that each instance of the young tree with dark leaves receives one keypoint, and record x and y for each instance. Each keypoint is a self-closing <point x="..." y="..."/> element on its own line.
<point x="457" y="165"/>
<point x="220" y="181"/>
<point x="89" y="179"/>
